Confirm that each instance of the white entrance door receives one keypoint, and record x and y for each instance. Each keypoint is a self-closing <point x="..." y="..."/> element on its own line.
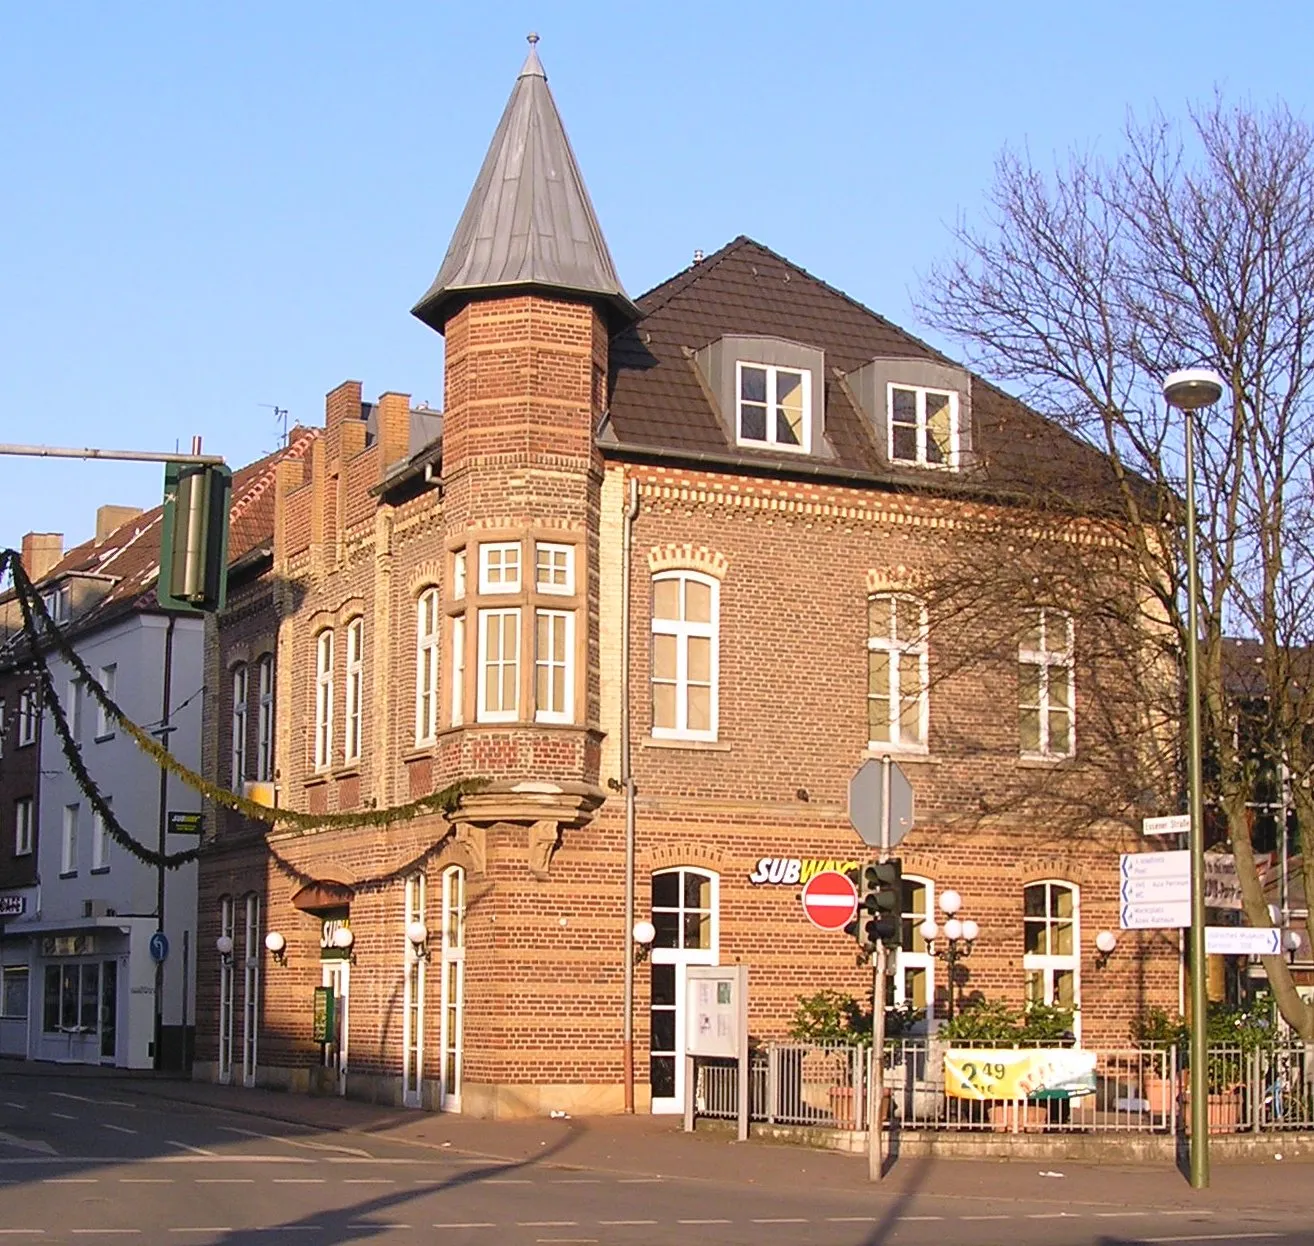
<point x="684" y="914"/>
<point x="337" y="975"/>
<point x="451" y="1024"/>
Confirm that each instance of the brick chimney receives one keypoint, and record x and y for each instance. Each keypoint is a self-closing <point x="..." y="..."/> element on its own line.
<point x="41" y="553"/>
<point x="109" y="518"/>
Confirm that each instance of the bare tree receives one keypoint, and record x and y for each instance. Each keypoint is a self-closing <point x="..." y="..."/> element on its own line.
<point x="1090" y="283"/>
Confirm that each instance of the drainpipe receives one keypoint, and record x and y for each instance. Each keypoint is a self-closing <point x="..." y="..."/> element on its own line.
<point x="627" y="782"/>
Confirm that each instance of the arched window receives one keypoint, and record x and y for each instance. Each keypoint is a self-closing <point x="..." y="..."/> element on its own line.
<point x="685" y="655"/>
<point x="239" y="725"/>
<point x="427" y="618"/>
<point x="324" y="700"/>
<point x="1051" y="938"/>
<point x="1046" y="695"/>
<point x="265" y="719"/>
<point x="913" y="985"/>
<point x="355" y="689"/>
<point x="897" y="672"/>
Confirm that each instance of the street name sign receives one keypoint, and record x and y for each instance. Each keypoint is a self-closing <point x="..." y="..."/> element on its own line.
<point x="830" y="900"/>
<point x="1173" y="824"/>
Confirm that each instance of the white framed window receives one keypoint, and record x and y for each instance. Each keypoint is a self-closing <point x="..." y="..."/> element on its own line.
<point x="451" y="1002"/>
<point x="554" y="569"/>
<point x="774" y="406"/>
<point x="29" y="716"/>
<point x="458" y="575"/>
<point x="427" y="621"/>
<point x="499" y="567"/>
<point x="1051" y="939"/>
<point x="68" y="853"/>
<point x="56" y="603"/>
<point x="685" y="655"/>
<point x="913" y="982"/>
<point x="23" y="826"/>
<point x="14" y="992"/>
<point x="499" y="665"/>
<point x="323" y="700"/>
<point x="240" y="690"/>
<point x="554" y="666"/>
<point x="73" y="708"/>
<point x="413" y="959"/>
<point x="923" y="426"/>
<point x="107" y="677"/>
<point x="458" y="670"/>
<point x="355" y="689"/>
<point x="265" y="719"/>
<point x="99" y="842"/>
<point x="1046" y="685"/>
<point x="898" y="701"/>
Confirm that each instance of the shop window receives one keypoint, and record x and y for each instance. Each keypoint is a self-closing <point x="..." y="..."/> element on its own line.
<point x="13" y="991"/>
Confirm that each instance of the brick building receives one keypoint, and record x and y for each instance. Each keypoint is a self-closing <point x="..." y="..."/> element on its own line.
<point x="662" y="575"/>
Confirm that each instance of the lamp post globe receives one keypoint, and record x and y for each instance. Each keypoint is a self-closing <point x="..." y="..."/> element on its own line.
<point x="950" y="902"/>
<point x="1189" y="389"/>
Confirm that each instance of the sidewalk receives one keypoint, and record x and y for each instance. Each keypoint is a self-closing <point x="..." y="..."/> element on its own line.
<point x="649" y="1146"/>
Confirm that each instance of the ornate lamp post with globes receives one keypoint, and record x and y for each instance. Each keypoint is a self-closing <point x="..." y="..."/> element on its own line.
<point x="959" y="936"/>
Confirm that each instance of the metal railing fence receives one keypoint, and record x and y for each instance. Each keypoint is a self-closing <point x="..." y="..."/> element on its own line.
<point x="1137" y="1090"/>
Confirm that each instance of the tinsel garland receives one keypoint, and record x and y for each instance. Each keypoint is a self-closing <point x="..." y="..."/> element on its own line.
<point x="41" y="629"/>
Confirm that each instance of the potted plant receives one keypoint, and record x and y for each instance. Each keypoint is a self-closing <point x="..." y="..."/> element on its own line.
<point x="830" y="1018"/>
<point x="1161" y="1031"/>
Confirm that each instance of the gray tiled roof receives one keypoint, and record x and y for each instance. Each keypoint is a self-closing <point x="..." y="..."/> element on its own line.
<point x="528" y="221"/>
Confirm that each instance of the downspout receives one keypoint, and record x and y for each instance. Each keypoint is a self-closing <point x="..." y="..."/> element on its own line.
<point x="627" y="782"/>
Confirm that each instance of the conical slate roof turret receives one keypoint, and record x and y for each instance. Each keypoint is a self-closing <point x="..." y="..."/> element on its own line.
<point x="528" y="222"/>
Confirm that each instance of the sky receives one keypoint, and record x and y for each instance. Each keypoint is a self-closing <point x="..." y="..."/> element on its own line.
<point x="210" y="211"/>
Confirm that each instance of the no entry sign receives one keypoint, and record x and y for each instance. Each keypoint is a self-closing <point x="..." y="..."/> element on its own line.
<point x="830" y="900"/>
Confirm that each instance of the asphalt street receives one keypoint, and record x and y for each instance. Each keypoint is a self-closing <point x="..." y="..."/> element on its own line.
<point x="86" y="1161"/>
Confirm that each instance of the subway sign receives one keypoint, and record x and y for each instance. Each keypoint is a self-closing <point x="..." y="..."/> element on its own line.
<point x="793" y="871"/>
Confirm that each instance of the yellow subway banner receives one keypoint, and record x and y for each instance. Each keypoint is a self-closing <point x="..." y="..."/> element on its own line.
<point x="983" y="1073"/>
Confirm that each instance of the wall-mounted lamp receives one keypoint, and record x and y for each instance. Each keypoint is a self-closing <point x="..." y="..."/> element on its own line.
<point x="417" y="934"/>
<point x="644" y="933"/>
<point x="1105" y="943"/>
<point x="224" y="946"/>
<point x="343" y="940"/>
<point x="1291" y="944"/>
<point x="276" y="946"/>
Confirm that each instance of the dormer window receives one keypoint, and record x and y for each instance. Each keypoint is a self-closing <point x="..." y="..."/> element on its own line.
<point x="923" y="426"/>
<point x="774" y="407"/>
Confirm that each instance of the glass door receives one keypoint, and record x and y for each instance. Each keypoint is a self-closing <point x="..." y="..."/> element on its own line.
<point x="109" y="1011"/>
<point x="684" y="914"/>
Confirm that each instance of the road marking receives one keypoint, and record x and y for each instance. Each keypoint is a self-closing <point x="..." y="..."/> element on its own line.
<point x="901" y="1219"/>
<point x="787" y="1220"/>
<point x="300" y="1180"/>
<point x="1109" y="1215"/>
<point x="1214" y="1237"/>
<point x="25" y="1144"/>
<point x="69" y="1180"/>
<point x="23" y="1232"/>
<point x="218" y="1228"/>
<point x="508" y="1181"/>
<point x="1188" y="1211"/>
<point x="22" y="1107"/>
<point x="145" y="1180"/>
<point x="63" y="1116"/>
<point x="702" y="1222"/>
<point x="851" y="1219"/>
<point x="985" y="1217"/>
<point x="118" y="1232"/>
<point x="195" y="1150"/>
<point x="640" y="1180"/>
<point x="224" y="1180"/>
<point x="579" y="1181"/>
<point x="1053" y="1215"/>
<point x="301" y="1142"/>
<point x="614" y="1222"/>
<point x="547" y="1224"/>
<point x="369" y="1181"/>
<point x="60" y="1094"/>
<point x="467" y="1224"/>
<point x="118" y="1129"/>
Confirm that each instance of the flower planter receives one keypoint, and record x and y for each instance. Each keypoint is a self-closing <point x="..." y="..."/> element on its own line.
<point x="1159" y="1094"/>
<point x="1224" y="1111"/>
<point x="1031" y="1118"/>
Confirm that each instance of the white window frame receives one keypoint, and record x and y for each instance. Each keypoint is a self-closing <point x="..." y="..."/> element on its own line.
<point x="682" y="630"/>
<point x="483" y="712"/>
<point x="911" y="959"/>
<point x="107" y="677"/>
<point x="15" y="972"/>
<point x="560" y="560"/>
<point x="1054" y="664"/>
<point x="1047" y="963"/>
<point x="324" y="699"/>
<point x="265" y="719"/>
<point x="100" y="862"/>
<point x="566" y="620"/>
<point x="226" y="930"/>
<point x="954" y="456"/>
<point x="68" y="846"/>
<point x="502" y="558"/>
<point x="458" y="575"/>
<point x="355" y="703"/>
<point x="73" y="708"/>
<point x="241" y="689"/>
<point x="772" y="372"/>
<point x="893" y="648"/>
<point x="458" y="670"/>
<point x="251" y="953"/>
<point x="451" y="997"/>
<point x="23" y="807"/>
<point x="29" y="715"/>
<point x="428" y="621"/>
<point x="413" y="1021"/>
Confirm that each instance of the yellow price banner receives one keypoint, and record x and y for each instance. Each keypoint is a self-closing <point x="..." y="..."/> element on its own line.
<point x="1018" y="1073"/>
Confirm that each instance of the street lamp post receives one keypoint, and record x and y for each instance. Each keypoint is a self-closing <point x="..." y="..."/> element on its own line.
<point x="959" y="936"/>
<point x="1189" y="391"/>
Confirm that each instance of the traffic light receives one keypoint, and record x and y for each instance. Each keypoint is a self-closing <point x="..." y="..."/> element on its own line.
<point x="194" y="537"/>
<point x="880" y="904"/>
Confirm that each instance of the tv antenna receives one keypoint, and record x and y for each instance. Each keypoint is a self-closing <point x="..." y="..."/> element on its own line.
<point x="280" y="413"/>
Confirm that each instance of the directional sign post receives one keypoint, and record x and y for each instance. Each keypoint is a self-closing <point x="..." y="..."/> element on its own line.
<point x="1243" y="940"/>
<point x="1155" y="892"/>
<point x="830" y="900"/>
<point x="159" y="947"/>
